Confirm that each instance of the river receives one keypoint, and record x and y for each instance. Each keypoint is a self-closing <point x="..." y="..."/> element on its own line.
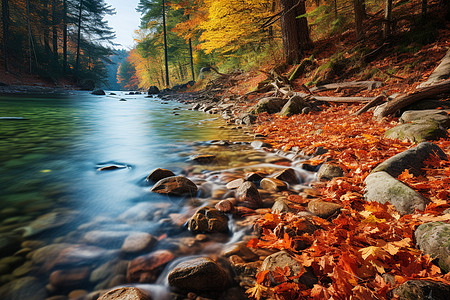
<point x="53" y="195"/>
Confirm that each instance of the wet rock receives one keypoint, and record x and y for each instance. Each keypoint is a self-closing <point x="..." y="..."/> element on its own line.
<point x="208" y="220"/>
<point x="281" y="206"/>
<point x="248" y="119"/>
<point x="48" y="221"/>
<point x="294" y="106"/>
<point x="248" y="195"/>
<point x="204" y="159"/>
<point x="146" y="268"/>
<point x="158" y="174"/>
<point x="199" y="274"/>
<point x="382" y="187"/>
<point x="287" y="175"/>
<point x="138" y="242"/>
<point x="433" y="239"/>
<point x="108" y="239"/>
<point x="69" y="278"/>
<point x="422" y="290"/>
<point x="29" y="288"/>
<point x="126" y="293"/>
<point x="9" y="244"/>
<point x="140" y="212"/>
<point x="323" y="209"/>
<point x="328" y="171"/>
<point x="417" y="132"/>
<point x="153" y="90"/>
<point x="260" y="144"/>
<point x="282" y="259"/>
<point x="176" y="186"/>
<point x="77" y="294"/>
<point x="430" y="115"/>
<point x="254" y="177"/>
<point x="109" y="269"/>
<point x="240" y="249"/>
<point x="98" y="92"/>
<point x="234" y="184"/>
<point x="111" y="167"/>
<point x="24" y="269"/>
<point x="269" y="105"/>
<point x="225" y="206"/>
<point x="80" y="255"/>
<point x="412" y="159"/>
<point x="273" y="184"/>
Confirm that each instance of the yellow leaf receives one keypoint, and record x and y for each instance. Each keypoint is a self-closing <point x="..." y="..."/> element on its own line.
<point x="373" y="252"/>
<point x="256" y="291"/>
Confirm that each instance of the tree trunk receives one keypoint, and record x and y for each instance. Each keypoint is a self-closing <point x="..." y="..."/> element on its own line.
<point x="359" y="17"/>
<point x="64" y="36"/>
<point x="290" y="35"/>
<point x="30" y="37"/>
<point x="192" y="60"/>
<point x="55" y="31"/>
<point x="77" y="61"/>
<point x="387" y="19"/>
<point x="302" y="27"/>
<point x="165" y="42"/>
<point x="46" y="31"/>
<point x="5" y="21"/>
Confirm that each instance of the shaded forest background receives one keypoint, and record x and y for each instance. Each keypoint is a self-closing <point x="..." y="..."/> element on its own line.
<point x="69" y="42"/>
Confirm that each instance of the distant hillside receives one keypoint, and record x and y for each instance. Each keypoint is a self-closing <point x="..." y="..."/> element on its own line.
<point x="111" y="81"/>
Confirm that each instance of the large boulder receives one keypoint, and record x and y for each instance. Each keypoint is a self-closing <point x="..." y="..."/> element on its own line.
<point x="146" y="268"/>
<point x="125" y="293"/>
<point x="248" y="195"/>
<point x="269" y="105"/>
<point x="412" y="159"/>
<point x="429" y="115"/>
<point x="328" y="171"/>
<point x="382" y="187"/>
<point x="422" y="290"/>
<point x="209" y="220"/>
<point x="434" y="239"/>
<point x="153" y="90"/>
<point x="158" y="174"/>
<point x="176" y="186"/>
<point x="294" y="106"/>
<point x="417" y="132"/>
<point x="98" y="92"/>
<point x="199" y="275"/>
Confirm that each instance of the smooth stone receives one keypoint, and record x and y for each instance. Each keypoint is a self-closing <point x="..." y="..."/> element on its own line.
<point x="24" y="269"/>
<point x="138" y="242"/>
<point x="176" y="186"/>
<point x="282" y="259"/>
<point x="9" y="244"/>
<point x="434" y="115"/>
<point x="287" y="175"/>
<point x="68" y="278"/>
<point x="81" y="255"/>
<point x="199" y="274"/>
<point x="281" y="206"/>
<point x="125" y="293"/>
<point x="412" y="159"/>
<point x="260" y="144"/>
<point x="417" y="132"/>
<point x="254" y="177"/>
<point x="225" y="206"/>
<point x="294" y="106"/>
<point x="269" y="105"/>
<point x="273" y="184"/>
<point x="422" y="290"/>
<point x="234" y="184"/>
<point x="329" y="171"/>
<point x="98" y="92"/>
<point x="109" y="268"/>
<point x="107" y="239"/>
<point x="77" y="294"/>
<point x="248" y="195"/>
<point x="204" y="159"/>
<point x="29" y="288"/>
<point x="240" y="249"/>
<point x="146" y="268"/>
<point x="434" y="239"/>
<point x="47" y="254"/>
<point x="158" y="174"/>
<point x="111" y="168"/>
<point x="382" y="187"/>
<point x="208" y="220"/>
<point x="46" y="222"/>
<point x="323" y="209"/>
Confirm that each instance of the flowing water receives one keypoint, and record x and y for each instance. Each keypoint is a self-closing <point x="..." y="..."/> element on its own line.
<point x="53" y="194"/>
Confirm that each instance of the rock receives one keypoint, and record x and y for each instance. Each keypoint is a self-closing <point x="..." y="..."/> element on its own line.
<point x="98" y="92"/>
<point x="433" y="239"/>
<point x="47" y="254"/>
<point x="176" y="186"/>
<point x="225" y="206"/>
<point x="138" y="242"/>
<point x="199" y="275"/>
<point x="248" y="119"/>
<point x="111" y="168"/>
<point x="146" y="268"/>
<point x="282" y="259"/>
<point x="412" y="159"/>
<point x="254" y="177"/>
<point x="9" y="244"/>
<point x="430" y="115"/>
<point x="29" y="288"/>
<point x="125" y="293"/>
<point x="77" y="294"/>
<point x="234" y="184"/>
<point x="208" y="220"/>
<point x="323" y="209"/>
<point x="269" y="105"/>
<point x="422" y="290"/>
<point x="273" y="184"/>
<point x="48" y="221"/>
<point x="281" y="206"/>
<point x="109" y="269"/>
<point x="25" y="269"/>
<point x="107" y="239"/>
<point x="79" y="255"/>
<point x="248" y="195"/>
<point x="158" y="174"/>
<point x="140" y="212"/>
<point x="204" y="159"/>
<point x="240" y="249"/>
<point x="417" y="132"/>
<point x="153" y="90"/>
<point x="287" y="175"/>
<point x="294" y="106"/>
<point x="328" y="171"/>
<point x="69" y="278"/>
<point x="382" y="187"/>
<point x="260" y="144"/>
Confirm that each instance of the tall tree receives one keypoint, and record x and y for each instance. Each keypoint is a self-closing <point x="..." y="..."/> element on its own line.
<point x="358" y="7"/>
<point x="80" y="14"/>
<point x="5" y="22"/>
<point x="166" y="60"/>
<point x="65" y="20"/>
<point x="387" y="19"/>
<point x="55" y="22"/>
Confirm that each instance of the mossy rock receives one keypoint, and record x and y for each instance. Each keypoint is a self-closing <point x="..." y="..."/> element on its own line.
<point x="434" y="239"/>
<point x="269" y="105"/>
<point x="422" y="290"/>
<point x="416" y="132"/>
<point x="424" y="116"/>
<point x="294" y="106"/>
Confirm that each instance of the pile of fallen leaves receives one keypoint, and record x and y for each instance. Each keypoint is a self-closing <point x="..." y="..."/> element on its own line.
<point x="368" y="249"/>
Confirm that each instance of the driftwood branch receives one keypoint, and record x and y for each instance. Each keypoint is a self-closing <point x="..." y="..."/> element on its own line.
<point x="405" y="100"/>
<point x="343" y="99"/>
<point x="370" y="85"/>
<point x="376" y="101"/>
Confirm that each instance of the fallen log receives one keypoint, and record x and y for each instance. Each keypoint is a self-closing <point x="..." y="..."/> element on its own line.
<point x="423" y="93"/>
<point x="370" y="85"/>
<point x="342" y="99"/>
<point x="376" y="101"/>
